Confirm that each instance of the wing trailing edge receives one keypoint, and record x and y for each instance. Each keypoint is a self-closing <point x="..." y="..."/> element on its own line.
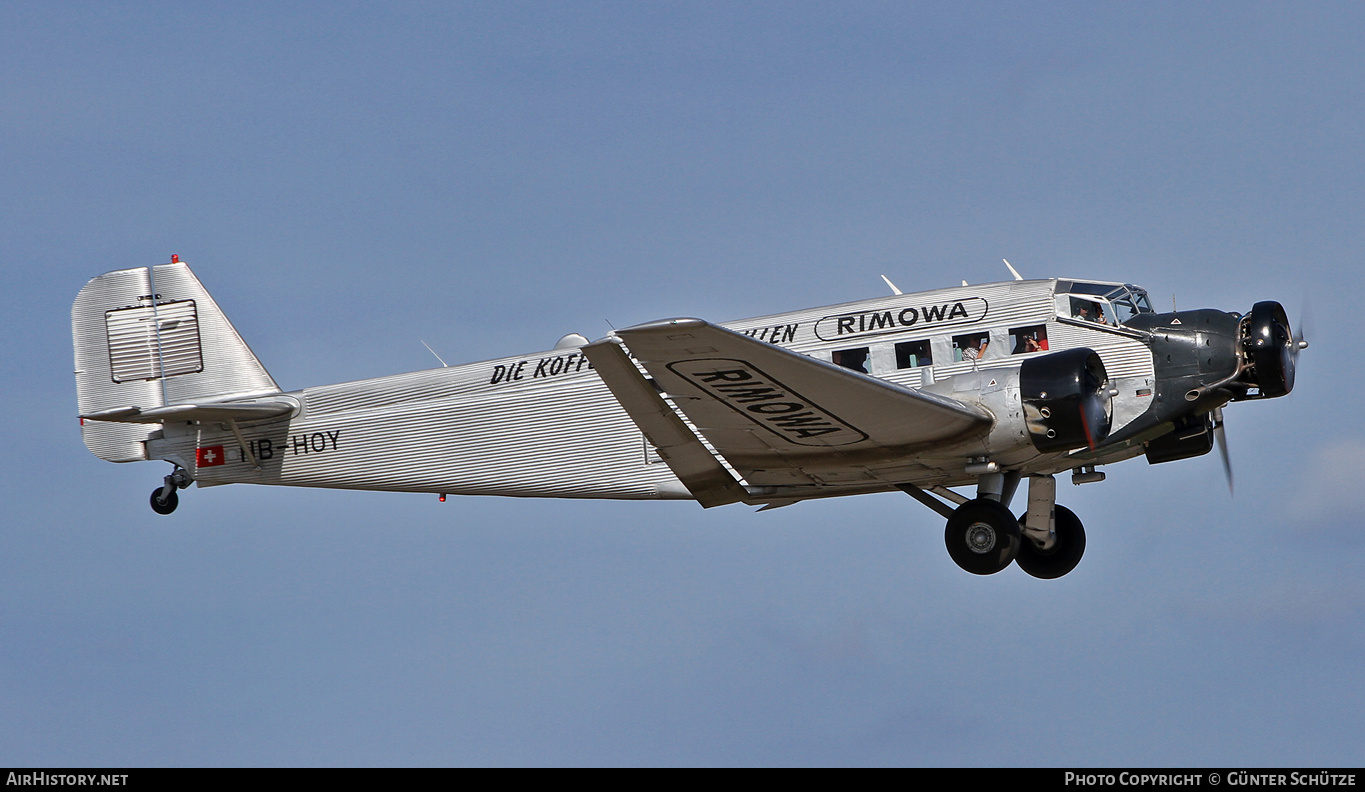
<point x="678" y="446"/>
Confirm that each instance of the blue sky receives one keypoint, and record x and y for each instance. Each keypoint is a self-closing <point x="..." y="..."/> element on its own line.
<point x="350" y="179"/>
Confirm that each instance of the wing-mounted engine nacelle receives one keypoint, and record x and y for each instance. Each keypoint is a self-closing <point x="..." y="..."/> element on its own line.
<point x="1066" y="399"/>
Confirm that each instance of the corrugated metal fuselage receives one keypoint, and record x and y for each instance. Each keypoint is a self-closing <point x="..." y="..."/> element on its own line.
<point x="504" y="427"/>
<point x="545" y="425"/>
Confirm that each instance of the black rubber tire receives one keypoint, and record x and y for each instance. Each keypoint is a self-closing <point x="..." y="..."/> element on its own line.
<point x="172" y="500"/>
<point x="1065" y="553"/>
<point x="982" y="536"/>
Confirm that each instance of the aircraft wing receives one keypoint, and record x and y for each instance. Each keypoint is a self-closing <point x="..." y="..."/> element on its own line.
<point x="783" y="418"/>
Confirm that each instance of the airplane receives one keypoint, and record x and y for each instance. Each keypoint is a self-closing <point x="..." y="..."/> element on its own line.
<point x="986" y="386"/>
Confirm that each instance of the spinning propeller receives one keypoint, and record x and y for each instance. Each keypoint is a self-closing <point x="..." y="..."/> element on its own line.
<point x="1274" y="351"/>
<point x="1220" y="439"/>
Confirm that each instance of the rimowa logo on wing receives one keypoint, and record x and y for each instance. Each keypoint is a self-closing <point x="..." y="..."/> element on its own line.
<point x="831" y="328"/>
<point x="744" y="388"/>
<point x="209" y="456"/>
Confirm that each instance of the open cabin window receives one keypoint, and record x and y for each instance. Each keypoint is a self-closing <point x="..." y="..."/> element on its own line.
<point x="970" y="346"/>
<point x="1024" y="340"/>
<point x="854" y="359"/>
<point x="913" y="354"/>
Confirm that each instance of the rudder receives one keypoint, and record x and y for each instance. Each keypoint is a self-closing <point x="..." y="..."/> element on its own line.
<point x="152" y="337"/>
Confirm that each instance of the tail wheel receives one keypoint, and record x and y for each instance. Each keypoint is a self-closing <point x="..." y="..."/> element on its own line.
<point x="166" y="505"/>
<point x="1064" y="554"/>
<point x="982" y="536"/>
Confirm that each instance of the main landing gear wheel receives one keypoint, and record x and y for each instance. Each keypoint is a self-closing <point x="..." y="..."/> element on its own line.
<point x="167" y="505"/>
<point x="1065" y="553"/>
<point x="982" y="536"/>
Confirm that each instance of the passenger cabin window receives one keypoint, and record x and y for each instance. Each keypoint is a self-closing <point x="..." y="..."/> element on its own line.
<point x="855" y="359"/>
<point x="971" y="346"/>
<point x="1024" y="340"/>
<point x="913" y="354"/>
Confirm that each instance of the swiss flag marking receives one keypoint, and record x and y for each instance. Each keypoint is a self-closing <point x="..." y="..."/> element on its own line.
<point x="209" y="456"/>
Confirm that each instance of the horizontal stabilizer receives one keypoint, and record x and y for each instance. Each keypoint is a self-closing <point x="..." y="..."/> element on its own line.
<point x="247" y="411"/>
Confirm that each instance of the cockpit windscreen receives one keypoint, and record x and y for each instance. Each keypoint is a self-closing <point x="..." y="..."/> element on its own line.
<point x="1102" y="303"/>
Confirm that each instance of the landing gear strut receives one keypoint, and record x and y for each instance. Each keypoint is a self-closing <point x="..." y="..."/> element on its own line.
<point x="1067" y="547"/>
<point x="983" y="537"/>
<point x="164" y="498"/>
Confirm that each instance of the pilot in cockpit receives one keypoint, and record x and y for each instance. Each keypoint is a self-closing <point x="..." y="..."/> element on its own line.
<point x="1088" y="311"/>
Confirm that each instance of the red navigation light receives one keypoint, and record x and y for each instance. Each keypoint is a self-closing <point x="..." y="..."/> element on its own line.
<point x="175" y="259"/>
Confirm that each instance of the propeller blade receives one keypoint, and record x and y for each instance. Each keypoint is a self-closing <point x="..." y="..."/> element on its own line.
<point x="1301" y="337"/>
<point x="1095" y="418"/>
<point x="1220" y="439"/>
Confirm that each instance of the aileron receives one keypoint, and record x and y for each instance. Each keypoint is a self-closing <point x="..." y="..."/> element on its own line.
<point x="708" y="481"/>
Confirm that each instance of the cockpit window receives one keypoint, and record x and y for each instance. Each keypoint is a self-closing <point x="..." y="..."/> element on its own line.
<point x="1102" y="303"/>
<point x="1102" y="289"/>
<point x="1088" y="310"/>
<point x="1124" y="309"/>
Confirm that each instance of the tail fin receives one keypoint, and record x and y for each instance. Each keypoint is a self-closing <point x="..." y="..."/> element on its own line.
<point x="153" y="337"/>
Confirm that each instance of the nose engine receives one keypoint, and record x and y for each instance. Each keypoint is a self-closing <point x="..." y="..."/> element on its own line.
<point x="1205" y="358"/>
<point x="1271" y="349"/>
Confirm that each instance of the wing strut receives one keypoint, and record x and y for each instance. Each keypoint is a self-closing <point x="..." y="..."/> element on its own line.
<point x="246" y="449"/>
<point x="927" y="499"/>
<point x="708" y="481"/>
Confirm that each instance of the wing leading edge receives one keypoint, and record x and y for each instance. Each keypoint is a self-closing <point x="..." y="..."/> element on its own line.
<point x="781" y="418"/>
